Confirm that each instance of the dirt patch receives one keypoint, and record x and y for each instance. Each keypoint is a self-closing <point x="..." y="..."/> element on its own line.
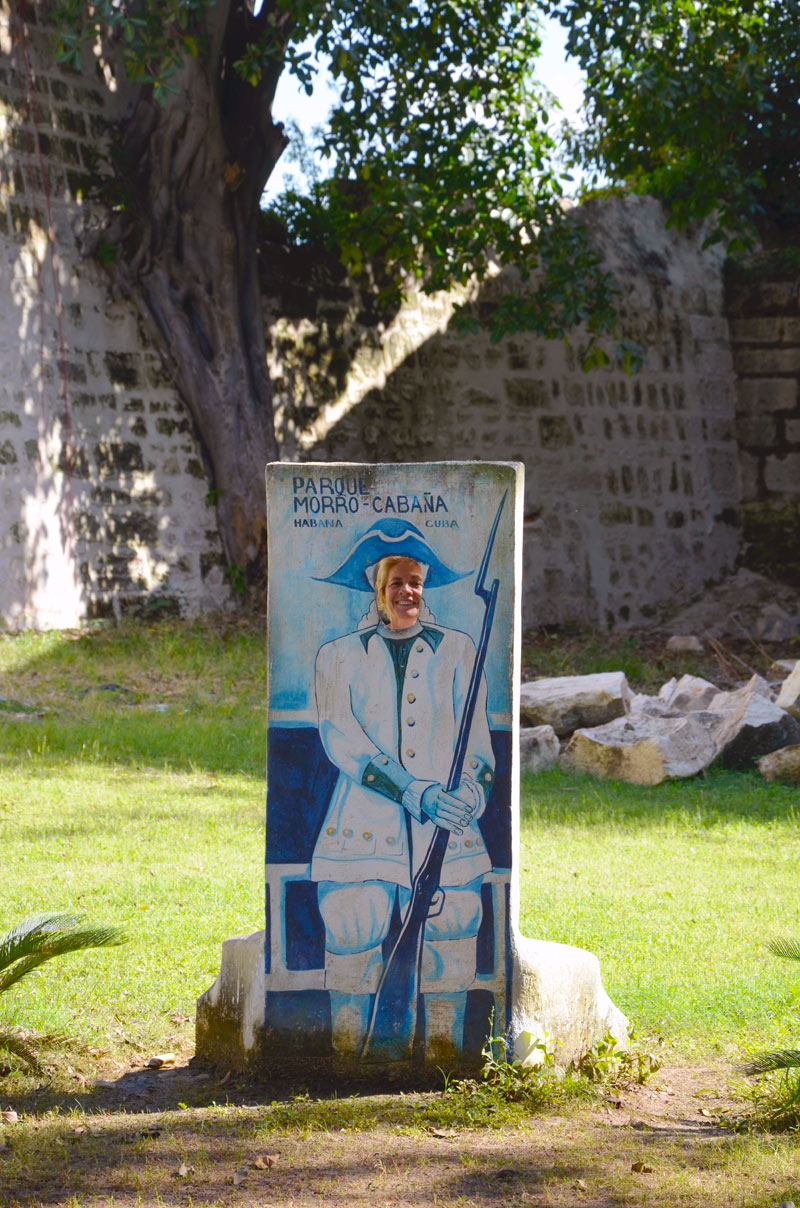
<point x="186" y="1137"/>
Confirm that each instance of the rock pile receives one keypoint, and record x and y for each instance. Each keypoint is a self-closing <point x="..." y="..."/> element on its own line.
<point x="607" y="730"/>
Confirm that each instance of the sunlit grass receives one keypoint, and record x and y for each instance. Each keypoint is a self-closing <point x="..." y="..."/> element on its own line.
<point x="676" y="889"/>
<point x="138" y="799"/>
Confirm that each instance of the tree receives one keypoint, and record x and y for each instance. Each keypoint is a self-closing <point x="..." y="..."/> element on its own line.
<point x="695" y="101"/>
<point x="441" y="161"/>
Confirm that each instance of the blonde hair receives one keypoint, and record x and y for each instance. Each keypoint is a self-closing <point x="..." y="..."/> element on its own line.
<point x="384" y="569"/>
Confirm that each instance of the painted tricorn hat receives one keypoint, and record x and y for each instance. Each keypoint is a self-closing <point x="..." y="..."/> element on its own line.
<point x="391" y="537"/>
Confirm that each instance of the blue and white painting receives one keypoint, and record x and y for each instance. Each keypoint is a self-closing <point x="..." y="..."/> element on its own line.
<point x="392" y="595"/>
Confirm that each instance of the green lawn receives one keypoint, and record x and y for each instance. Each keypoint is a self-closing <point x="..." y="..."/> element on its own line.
<point x="139" y="799"/>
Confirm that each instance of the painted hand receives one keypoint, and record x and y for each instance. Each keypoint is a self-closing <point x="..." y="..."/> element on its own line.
<point x="452" y="811"/>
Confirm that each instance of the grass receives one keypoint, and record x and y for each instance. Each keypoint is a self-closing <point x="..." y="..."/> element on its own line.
<point x="138" y="799"/>
<point x="676" y="889"/>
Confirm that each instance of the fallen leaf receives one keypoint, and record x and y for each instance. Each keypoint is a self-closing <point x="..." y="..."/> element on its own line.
<point x="265" y="1161"/>
<point x="641" y="1168"/>
<point x="79" y="1130"/>
<point x="581" y="1185"/>
<point x="447" y="1133"/>
<point x="184" y="1171"/>
<point x="238" y="1177"/>
<point x="705" y="1112"/>
<point x="225" y="1079"/>
<point x="9" y="1116"/>
<point x="160" y="1060"/>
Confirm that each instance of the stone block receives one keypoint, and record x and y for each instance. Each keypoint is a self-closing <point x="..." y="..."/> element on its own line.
<point x="766" y="394"/>
<point x="376" y="668"/>
<point x="748" y="724"/>
<point x="782" y="766"/>
<point x="684" y="643"/>
<point x="765" y="362"/>
<point x="690" y="693"/>
<point x="782" y="474"/>
<point x="538" y="748"/>
<point x="642" y="749"/>
<point x="571" y="701"/>
<point x="789" y="695"/>
<point x="757" y="431"/>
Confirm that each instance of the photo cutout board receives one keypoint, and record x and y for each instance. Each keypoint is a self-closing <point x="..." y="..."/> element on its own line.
<point x="392" y="630"/>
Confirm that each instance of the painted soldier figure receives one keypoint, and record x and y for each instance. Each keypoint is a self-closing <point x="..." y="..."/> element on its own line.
<point x="390" y="699"/>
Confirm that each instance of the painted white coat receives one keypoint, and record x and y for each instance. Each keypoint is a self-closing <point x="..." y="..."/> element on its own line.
<point x="364" y="835"/>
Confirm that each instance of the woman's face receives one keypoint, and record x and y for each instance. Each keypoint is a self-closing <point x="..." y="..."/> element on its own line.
<point x="403" y="593"/>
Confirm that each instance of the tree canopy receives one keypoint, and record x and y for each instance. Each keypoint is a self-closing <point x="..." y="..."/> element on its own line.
<point x="696" y="101"/>
<point x="441" y="165"/>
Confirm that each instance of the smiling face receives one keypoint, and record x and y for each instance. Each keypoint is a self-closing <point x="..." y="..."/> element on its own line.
<point x="399" y="591"/>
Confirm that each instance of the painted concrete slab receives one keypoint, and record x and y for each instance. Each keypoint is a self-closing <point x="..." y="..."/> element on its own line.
<point x="389" y="944"/>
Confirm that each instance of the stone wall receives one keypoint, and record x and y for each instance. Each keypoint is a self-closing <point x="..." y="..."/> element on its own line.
<point x="102" y="488"/>
<point x="632" y="497"/>
<point x="632" y="482"/>
<point x="764" y="309"/>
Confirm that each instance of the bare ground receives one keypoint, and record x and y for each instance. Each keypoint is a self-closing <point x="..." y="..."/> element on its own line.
<point x="186" y="1137"/>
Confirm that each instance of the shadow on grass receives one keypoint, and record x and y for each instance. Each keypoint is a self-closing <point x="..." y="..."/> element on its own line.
<point x="187" y="1136"/>
<point x="701" y="802"/>
<point x="170" y="742"/>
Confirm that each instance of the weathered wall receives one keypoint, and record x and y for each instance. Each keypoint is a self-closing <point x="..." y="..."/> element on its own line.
<point x="632" y="498"/>
<point x="632" y="482"/>
<point x="764" y="309"/>
<point x="102" y="488"/>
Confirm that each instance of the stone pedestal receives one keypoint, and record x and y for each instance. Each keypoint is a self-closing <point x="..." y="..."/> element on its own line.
<point x="390" y="946"/>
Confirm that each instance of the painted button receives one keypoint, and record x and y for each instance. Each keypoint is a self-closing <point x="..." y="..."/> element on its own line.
<point x="452" y="844"/>
<point x="419" y="649"/>
<point x="390" y="839"/>
<point x="348" y="834"/>
<point x="473" y="763"/>
<point x="479" y="843"/>
<point x="384" y="760"/>
<point x="330" y="830"/>
<point x="411" y="698"/>
<point x="488" y="776"/>
<point x="410" y="751"/>
<point x="415" y="675"/>
<point x="411" y="722"/>
<point x="367" y="835"/>
<point x="468" y="843"/>
<point x="370" y="777"/>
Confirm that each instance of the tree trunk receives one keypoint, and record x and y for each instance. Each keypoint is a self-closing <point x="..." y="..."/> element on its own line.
<point x="196" y="168"/>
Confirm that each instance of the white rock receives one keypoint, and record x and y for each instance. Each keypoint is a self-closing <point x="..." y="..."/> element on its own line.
<point x="538" y="748"/>
<point x="789" y="695"/>
<point x="782" y="765"/>
<point x="642" y="749"/>
<point x="684" y="643"/>
<point x="568" y="702"/>
<point x="751" y="724"/>
<point x="558" y="996"/>
<point x="688" y="694"/>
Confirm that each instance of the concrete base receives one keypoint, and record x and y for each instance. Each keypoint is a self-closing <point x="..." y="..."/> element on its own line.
<point x="557" y="998"/>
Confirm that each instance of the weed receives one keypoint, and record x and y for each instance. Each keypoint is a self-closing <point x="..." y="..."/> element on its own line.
<point x="610" y="1061"/>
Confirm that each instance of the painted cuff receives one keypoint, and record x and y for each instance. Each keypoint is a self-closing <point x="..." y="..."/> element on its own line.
<point x="387" y="777"/>
<point x="483" y="774"/>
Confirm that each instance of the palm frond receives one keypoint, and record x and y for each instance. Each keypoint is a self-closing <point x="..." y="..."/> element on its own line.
<point x="779" y="1059"/>
<point x="26" y="937"/>
<point x="19" y="1046"/>
<point x="790" y="949"/>
<point x="44" y="936"/>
